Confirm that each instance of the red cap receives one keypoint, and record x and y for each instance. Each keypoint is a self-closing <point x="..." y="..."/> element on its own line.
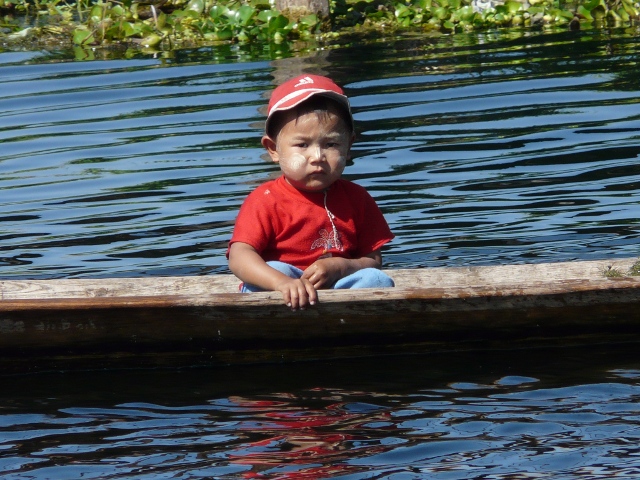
<point x="295" y="91"/>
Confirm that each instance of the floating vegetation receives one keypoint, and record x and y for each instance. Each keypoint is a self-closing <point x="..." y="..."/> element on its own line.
<point x="612" y="272"/>
<point x="165" y="24"/>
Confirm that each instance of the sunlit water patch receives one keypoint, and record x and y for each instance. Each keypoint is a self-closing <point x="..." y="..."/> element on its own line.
<point x="480" y="149"/>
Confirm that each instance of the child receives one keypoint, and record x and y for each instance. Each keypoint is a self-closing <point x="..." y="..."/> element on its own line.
<point x="309" y="229"/>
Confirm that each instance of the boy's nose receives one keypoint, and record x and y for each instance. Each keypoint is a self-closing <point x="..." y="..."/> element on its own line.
<point x="316" y="153"/>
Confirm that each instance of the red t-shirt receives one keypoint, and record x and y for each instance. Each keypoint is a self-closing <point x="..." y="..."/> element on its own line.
<point x="285" y="224"/>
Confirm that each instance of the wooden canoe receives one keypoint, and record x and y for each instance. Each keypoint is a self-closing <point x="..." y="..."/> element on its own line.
<point x="183" y="321"/>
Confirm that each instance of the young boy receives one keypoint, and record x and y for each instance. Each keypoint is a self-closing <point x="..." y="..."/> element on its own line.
<point x="309" y="229"/>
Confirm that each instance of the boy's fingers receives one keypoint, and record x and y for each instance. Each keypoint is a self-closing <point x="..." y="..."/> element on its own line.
<point x="312" y="295"/>
<point x="299" y="295"/>
<point x="308" y="274"/>
<point x="286" y="296"/>
<point x="303" y="298"/>
<point x="315" y="276"/>
<point x="295" y="299"/>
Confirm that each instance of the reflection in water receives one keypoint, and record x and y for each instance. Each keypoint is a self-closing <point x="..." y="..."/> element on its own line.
<point x="295" y="439"/>
<point x="565" y="414"/>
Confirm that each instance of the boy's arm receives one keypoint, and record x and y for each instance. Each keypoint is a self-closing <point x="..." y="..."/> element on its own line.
<point x="327" y="271"/>
<point x="247" y="264"/>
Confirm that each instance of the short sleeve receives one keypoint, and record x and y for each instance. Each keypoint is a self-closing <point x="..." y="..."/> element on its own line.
<point x="373" y="231"/>
<point x="254" y="223"/>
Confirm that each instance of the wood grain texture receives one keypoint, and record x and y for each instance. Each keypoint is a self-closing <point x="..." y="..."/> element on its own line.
<point x="85" y="323"/>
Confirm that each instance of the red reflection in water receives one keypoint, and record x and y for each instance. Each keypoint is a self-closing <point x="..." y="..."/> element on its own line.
<point x="305" y="450"/>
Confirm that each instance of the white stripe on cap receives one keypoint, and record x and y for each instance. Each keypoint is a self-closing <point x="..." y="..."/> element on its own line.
<point x="304" y="93"/>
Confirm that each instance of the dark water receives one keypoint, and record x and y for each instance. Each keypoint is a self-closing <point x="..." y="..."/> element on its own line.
<point x="539" y="414"/>
<point x="480" y="149"/>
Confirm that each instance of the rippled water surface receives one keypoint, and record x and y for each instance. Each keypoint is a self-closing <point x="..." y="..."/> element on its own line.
<point x="550" y="414"/>
<point x="480" y="149"/>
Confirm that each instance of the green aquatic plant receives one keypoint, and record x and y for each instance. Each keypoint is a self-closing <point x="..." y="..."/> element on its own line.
<point x="164" y="24"/>
<point x="151" y="22"/>
<point x="612" y="272"/>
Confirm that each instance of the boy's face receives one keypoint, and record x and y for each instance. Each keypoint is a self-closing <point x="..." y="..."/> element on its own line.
<point x="311" y="149"/>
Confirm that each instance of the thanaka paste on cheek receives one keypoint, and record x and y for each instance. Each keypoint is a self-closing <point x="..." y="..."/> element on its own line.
<point x="296" y="161"/>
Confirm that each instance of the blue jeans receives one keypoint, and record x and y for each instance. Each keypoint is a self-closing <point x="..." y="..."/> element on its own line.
<point x="365" y="278"/>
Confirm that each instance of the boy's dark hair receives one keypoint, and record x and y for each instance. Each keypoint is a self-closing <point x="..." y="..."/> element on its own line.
<point x="319" y="104"/>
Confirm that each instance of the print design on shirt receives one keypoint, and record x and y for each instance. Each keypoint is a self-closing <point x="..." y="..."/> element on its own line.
<point x="326" y="241"/>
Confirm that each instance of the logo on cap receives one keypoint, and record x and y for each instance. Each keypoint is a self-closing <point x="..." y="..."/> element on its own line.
<point x="304" y="81"/>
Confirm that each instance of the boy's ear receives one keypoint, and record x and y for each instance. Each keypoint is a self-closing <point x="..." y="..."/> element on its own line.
<point x="351" y="140"/>
<point x="270" y="145"/>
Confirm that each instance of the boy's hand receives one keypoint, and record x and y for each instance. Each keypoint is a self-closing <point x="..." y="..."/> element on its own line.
<point x="324" y="272"/>
<point x="249" y="267"/>
<point x="297" y="293"/>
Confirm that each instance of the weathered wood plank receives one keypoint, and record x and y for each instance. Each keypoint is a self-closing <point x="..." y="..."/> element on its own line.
<point x="407" y="278"/>
<point x="203" y="320"/>
<point x="510" y="274"/>
<point x="116" y="287"/>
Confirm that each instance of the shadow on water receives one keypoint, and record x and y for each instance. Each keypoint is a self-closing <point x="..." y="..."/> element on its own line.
<point x="398" y="374"/>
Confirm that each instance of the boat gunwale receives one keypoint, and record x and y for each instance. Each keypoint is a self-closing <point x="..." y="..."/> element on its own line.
<point x="431" y="294"/>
